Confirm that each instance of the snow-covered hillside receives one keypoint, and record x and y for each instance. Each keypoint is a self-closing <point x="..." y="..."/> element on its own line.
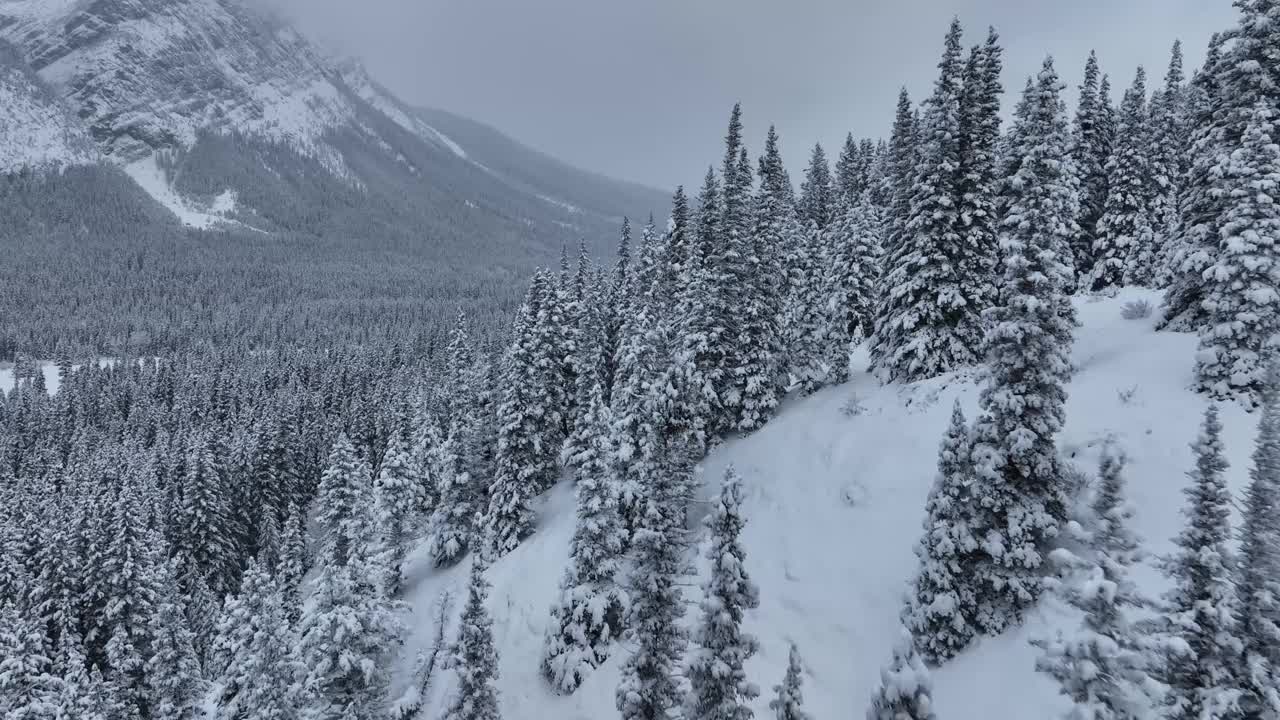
<point x="835" y="493"/>
<point x="39" y="132"/>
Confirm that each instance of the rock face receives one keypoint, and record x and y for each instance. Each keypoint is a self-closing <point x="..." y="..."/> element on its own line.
<point x="36" y="129"/>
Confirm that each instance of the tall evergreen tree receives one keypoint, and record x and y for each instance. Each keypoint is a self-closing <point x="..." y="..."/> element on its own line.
<point x="929" y="322"/>
<point x="648" y="688"/>
<point x="174" y="680"/>
<point x="1202" y="606"/>
<point x="1125" y="245"/>
<point x="1169" y="134"/>
<point x="589" y="615"/>
<point x="206" y="534"/>
<point x="719" y="686"/>
<point x="348" y="625"/>
<point x="818" y="199"/>
<point x="786" y="705"/>
<point x="1243" y="296"/>
<point x="1257" y="586"/>
<point x="852" y="259"/>
<point x="758" y="351"/>
<point x="396" y="494"/>
<point x="475" y="658"/>
<point x="851" y="176"/>
<point x="942" y="609"/>
<point x="979" y="129"/>
<point x="1019" y="483"/>
<point x="526" y="460"/>
<point x="1090" y="150"/>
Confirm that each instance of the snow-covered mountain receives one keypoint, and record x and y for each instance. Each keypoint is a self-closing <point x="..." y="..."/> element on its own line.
<point x="228" y="116"/>
<point x="834" y="497"/>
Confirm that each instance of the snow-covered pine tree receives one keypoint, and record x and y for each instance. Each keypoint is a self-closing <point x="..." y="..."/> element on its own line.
<point x="264" y="676"/>
<point x="731" y="272"/>
<point x="929" y="322"/>
<point x="588" y="616"/>
<point x="1125" y="245"/>
<point x="700" y="309"/>
<point x="1244" y="72"/>
<point x="206" y="536"/>
<point x="29" y="689"/>
<point x="1019" y="484"/>
<point x="293" y="563"/>
<point x="979" y="128"/>
<point x="1242" y="298"/>
<point x="719" y="689"/>
<point x="348" y="625"/>
<point x="1202" y="607"/>
<point x="906" y="689"/>
<point x="759" y="354"/>
<point x="475" y="659"/>
<point x="526" y="458"/>
<point x="648" y="688"/>
<point x="345" y="505"/>
<point x="806" y="319"/>
<point x="852" y="258"/>
<point x="1169" y="139"/>
<point x="397" y="497"/>
<point x="1259" y="561"/>
<point x="175" y="685"/>
<point x="1090" y="149"/>
<point x="941" y="611"/>
<point x="787" y="702"/>
<point x="851" y="176"/>
<point x="1193" y="246"/>
<point x="1104" y="668"/>
<point x="129" y="592"/>
<point x="818" y="200"/>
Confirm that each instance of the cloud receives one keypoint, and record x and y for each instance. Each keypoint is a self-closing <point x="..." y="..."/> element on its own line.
<point x="642" y="90"/>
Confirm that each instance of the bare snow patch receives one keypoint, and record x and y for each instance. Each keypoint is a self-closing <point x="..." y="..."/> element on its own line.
<point x="151" y="178"/>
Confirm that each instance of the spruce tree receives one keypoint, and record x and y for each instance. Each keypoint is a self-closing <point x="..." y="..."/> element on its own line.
<point x="906" y="689"/>
<point x="348" y="625"/>
<point x="1202" y="607"/>
<point x="396" y="494"/>
<point x="588" y="616"/>
<point x="1259" y="559"/>
<point x="818" y="200"/>
<point x="806" y="322"/>
<point x="1242" y="70"/>
<point x="648" y="688"/>
<point x="1169" y="136"/>
<point x="732" y="273"/>
<point x="474" y="657"/>
<point x="719" y="689"/>
<point x="1090" y="150"/>
<point x="930" y="318"/>
<point x="264" y="676"/>
<point x="851" y="172"/>
<point x="759" y="352"/>
<point x="941" y="611"/>
<point x="176" y="687"/>
<point x="787" y="702"/>
<point x="1104" y="668"/>
<point x="1125" y="245"/>
<point x="852" y="258"/>
<point x="29" y="689"/>
<point x="979" y="128"/>
<point x="1243" y="294"/>
<point x="1019" y="484"/>
<point x="526" y="457"/>
<point x="206" y="534"/>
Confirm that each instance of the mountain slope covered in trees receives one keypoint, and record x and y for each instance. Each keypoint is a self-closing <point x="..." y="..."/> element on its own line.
<point x="834" y="491"/>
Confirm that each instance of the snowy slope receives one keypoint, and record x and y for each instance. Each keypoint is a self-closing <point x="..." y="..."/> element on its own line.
<point x="834" y="506"/>
<point x="39" y="132"/>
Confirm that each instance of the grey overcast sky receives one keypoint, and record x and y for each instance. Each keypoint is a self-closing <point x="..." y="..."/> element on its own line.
<point x="641" y="89"/>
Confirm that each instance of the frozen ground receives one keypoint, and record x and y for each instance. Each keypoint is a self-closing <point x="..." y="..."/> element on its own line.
<point x="834" y="505"/>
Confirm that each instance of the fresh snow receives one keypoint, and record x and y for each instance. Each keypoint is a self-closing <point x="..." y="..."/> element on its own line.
<point x="834" y="495"/>
<point x="151" y="178"/>
<point x="38" y="132"/>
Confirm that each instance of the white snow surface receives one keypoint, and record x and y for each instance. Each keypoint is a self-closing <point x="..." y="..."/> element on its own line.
<point x="834" y="505"/>
<point x="151" y="178"/>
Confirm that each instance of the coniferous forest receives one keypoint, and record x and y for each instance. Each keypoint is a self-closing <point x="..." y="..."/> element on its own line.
<point x="206" y="528"/>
